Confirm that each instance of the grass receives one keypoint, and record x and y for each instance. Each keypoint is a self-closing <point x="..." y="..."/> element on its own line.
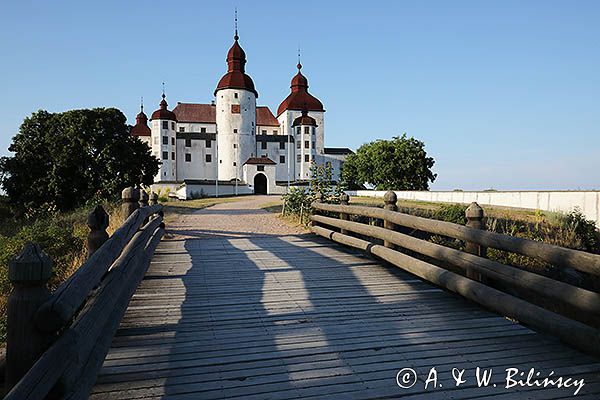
<point x="277" y="208"/>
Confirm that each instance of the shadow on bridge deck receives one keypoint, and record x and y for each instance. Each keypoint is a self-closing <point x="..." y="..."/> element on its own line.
<point x="233" y="315"/>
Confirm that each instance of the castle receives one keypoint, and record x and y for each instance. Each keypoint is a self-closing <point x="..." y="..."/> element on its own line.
<point x="233" y="146"/>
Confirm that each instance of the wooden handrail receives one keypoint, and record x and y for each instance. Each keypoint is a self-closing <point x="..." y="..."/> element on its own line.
<point x="555" y="255"/>
<point x="83" y="314"/>
<point x="576" y="333"/>
<point x="68" y="298"/>
<point x="582" y="299"/>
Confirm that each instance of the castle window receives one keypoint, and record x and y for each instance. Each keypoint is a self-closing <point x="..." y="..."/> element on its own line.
<point x="181" y="129"/>
<point x="165" y="124"/>
<point x="235" y="131"/>
<point x="281" y="159"/>
<point x="306" y="144"/>
<point x="282" y="145"/>
<point x="306" y="158"/>
<point x="314" y="130"/>
<point x="235" y="108"/>
<point x="208" y="158"/>
<point x="260" y="168"/>
<point x="275" y="132"/>
<point x="234" y="163"/>
<point x="165" y="155"/>
<point x="173" y="125"/>
<point x="264" y="132"/>
<point x="188" y="157"/>
<point x="235" y="145"/>
<point x="165" y="140"/>
<point x="172" y="155"/>
<point x="298" y="130"/>
<point x="208" y="144"/>
<point x="173" y="141"/>
<point x="235" y="95"/>
<point x="202" y="130"/>
<point x="307" y="130"/>
<point x="263" y="145"/>
<point x="313" y="145"/>
<point x="188" y="142"/>
<point x="298" y="158"/>
<point x="298" y="144"/>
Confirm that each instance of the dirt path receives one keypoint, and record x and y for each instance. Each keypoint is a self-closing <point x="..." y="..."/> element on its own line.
<point x="238" y="218"/>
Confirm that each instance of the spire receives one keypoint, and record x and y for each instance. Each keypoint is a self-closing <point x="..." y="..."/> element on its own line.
<point x="299" y="66"/>
<point x="236" y="37"/>
<point x="163" y="103"/>
<point x="142" y="105"/>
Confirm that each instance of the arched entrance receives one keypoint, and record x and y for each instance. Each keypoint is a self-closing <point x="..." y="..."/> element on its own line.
<point x="260" y="184"/>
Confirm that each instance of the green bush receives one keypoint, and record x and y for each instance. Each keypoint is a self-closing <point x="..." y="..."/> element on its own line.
<point x="454" y="213"/>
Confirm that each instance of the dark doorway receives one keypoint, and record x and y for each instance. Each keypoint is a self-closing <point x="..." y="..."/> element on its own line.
<point x="260" y="184"/>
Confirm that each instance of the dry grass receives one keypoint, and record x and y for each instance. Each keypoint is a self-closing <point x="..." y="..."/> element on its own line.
<point x="289" y="219"/>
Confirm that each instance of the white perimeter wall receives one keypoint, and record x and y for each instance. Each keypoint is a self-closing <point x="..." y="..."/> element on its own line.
<point x="587" y="201"/>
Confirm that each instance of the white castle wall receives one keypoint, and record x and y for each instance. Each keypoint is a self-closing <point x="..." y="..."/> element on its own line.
<point x="563" y="201"/>
<point x="167" y="170"/>
<point x="231" y="158"/>
<point x="197" y="167"/>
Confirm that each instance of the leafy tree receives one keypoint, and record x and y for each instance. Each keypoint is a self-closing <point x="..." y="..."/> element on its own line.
<point x="397" y="164"/>
<point x="63" y="160"/>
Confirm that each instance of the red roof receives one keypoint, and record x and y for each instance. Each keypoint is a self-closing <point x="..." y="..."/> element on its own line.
<point x="264" y="117"/>
<point x="300" y="99"/>
<point x="141" y="125"/>
<point x="235" y="78"/>
<point x="163" y="112"/>
<point x="206" y="113"/>
<point x="260" y="160"/>
<point x="304" y="119"/>
<point x="203" y="113"/>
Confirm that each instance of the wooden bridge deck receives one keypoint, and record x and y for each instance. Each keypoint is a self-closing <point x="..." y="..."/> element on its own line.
<point x="255" y="316"/>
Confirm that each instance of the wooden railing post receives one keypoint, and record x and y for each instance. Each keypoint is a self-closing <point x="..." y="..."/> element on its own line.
<point x="344" y="200"/>
<point x="390" y="199"/>
<point x="143" y="201"/>
<point x="474" y="214"/>
<point x="153" y="199"/>
<point x="130" y="198"/>
<point x="29" y="273"/>
<point x="97" y="222"/>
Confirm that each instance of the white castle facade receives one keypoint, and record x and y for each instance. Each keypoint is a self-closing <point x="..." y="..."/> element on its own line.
<point x="234" y="146"/>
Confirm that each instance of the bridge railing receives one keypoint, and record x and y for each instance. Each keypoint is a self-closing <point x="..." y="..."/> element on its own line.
<point x="480" y="279"/>
<point x="57" y="342"/>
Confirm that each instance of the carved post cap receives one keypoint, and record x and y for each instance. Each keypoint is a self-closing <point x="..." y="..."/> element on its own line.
<point x="30" y="265"/>
<point x="153" y="198"/>
<point x="474" y="212"/>
<point x="143" y="198"/>
<point x="344" y="198"/>
<point x="130" y="194"/>
<point x="390" y="197"/>
<point x="98" y="219"/>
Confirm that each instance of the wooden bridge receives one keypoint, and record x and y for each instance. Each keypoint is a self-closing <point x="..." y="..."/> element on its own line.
<point x="235" y="304"/>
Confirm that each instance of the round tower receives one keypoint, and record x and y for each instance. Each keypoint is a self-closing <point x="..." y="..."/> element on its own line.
<point x="236" y="115"/>
<point x="304" y="128"/>
<point x="298" y="100"/>
<point x="163" y="142"/>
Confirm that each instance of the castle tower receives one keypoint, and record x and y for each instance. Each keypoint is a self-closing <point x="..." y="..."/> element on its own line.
<point x="141" y="129"/>
<point x="304" y="128"/>
<point x="291" y="108"/>
<point x="163" y="142"/>
<point x="236" y="115"/>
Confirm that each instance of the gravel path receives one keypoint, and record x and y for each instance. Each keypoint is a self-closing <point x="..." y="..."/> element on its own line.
<point x="238" y="218"/>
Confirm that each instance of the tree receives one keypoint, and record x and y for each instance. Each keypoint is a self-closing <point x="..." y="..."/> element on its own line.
<point x="397" y="164"/>
<point x="63" y="160"/>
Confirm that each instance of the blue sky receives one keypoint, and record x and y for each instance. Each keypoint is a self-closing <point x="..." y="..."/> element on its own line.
<point x="505" y="94"/>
